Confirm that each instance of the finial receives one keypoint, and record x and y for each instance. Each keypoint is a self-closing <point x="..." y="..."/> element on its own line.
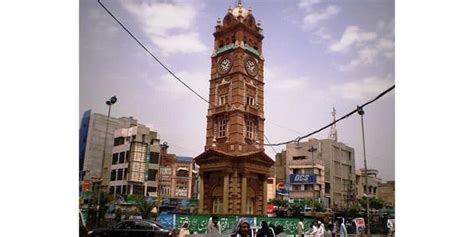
<point x="239" y="3"/>
<point x="219" y="20"/>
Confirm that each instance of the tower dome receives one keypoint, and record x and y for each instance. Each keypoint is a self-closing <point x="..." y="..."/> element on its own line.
<point x="239" y="10"/>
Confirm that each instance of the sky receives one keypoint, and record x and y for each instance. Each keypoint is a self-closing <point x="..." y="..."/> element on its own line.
<point x="318" y="55"/>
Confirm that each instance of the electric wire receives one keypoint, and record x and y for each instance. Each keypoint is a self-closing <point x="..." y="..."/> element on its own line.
<point x="298" y="139"/>
<point x="125" y="28"/>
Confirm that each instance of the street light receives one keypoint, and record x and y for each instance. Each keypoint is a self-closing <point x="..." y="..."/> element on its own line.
<point x="361" y="112"/>
<point x="109" y="102"/>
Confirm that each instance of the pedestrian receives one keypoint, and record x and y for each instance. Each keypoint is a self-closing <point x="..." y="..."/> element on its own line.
<point x="342" y="229"/>
<point x="320" y="231"/>
<point x="264" y="231"/>
<point x="184" y="232"/>
<point x="213" y="226"/>
<point x="300" y="227"/>
<point x="328" y="232"/>
<point x="312" y="230"/>
<point x="391" y="227"/>
<point x="241" y="229"/>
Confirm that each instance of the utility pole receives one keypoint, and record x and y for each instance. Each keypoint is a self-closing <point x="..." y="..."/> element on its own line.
<point x="312" y="150"/>
<point x="110" y="102"/>
<point x="360" y="111"/>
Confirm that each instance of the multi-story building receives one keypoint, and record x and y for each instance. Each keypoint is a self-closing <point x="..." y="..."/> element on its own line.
<point x="332" y="163"/>
<point x="91" y="142"/>
<point x="176" y="176"/>
<point x="386" y="192"/>
<point x="373" y="183"/>
<point x="134" y="163"/>
<point x="306" y="173"/>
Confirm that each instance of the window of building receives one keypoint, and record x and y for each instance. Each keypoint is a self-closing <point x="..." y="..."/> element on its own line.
<point x="119" y="189"/>
<point x="295" y="187"/>
<point x="296" y="171"/>
<point x="127" y="156"/>
<point x="250" y="128"/>
<point x="120" y="174"/>
<point x="113" y="175"/>
<point x="249" y="100"/>
<point x="299" y="157"/>
<point x="111" y="189"/>
<point x="125" y="172"/>
<point x="152" y="174"/>
<point x="124" y="189"/>
<point x="222" y="126"/>
<point x="308" y="171"/>
<point x="182" y="173"/>
<point x="308" y="187"/>
<point x="222" y="99"/>
<point x="217" y="205"/>
<point x="327" y="187"/>
<point x="249" y="206"/>
<point x="122" y="157"/>
<point x="154" y="156"/>
<point x="151" y="189"/>
<point x="115" y="158"/>
<point x="119" y="141"/>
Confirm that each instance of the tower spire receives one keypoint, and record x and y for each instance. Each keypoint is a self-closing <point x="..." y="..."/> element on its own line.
<point x="239" y="2"/>
<point x="333" y="133"/>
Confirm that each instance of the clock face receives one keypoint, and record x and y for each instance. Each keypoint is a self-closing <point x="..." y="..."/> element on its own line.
<point x="251" y="67"/>
<point x="225" y="65"/>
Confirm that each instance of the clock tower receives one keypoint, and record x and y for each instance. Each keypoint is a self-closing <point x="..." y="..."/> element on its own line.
<point x="234" y="167"/>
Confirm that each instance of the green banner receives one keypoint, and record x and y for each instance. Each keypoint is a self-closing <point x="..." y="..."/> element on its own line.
<point x="289" y="224"/>
<point x="198" y="223"/>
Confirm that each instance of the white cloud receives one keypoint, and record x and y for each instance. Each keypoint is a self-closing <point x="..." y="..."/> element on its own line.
<point x="351" y="36"/>
<point x="321" y="35"/>
<point x="170" y="25"/>
<point x="282" y="80"/>
<point x="179" y="43"/>
<point x="306" y="4"/>
<point x="170" y="86"/>
<point x="369" y="47"/>
<point x="312" y="20"/>
<point x="362" y="90"/>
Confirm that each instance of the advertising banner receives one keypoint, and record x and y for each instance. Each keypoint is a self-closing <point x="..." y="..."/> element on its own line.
<point x="360" y="225"/>
<point x="302" y="178"/>
<point x="282" y="189"/>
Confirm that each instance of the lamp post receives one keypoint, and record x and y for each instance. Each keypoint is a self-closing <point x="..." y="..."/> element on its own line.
<point x="361" y="112"/>
<point x="163" y="147"/>
<point x="312" y="150"/>
<point x="109" y="102"/>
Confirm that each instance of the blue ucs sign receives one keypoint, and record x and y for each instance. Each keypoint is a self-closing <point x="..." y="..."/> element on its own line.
<point x="302" y="178"/>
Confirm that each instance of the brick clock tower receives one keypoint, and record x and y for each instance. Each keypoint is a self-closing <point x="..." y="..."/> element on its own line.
<point x="234" y="167"/>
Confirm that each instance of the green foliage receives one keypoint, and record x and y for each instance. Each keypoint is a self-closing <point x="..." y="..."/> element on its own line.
<point x="146" y="205"/>
<point x="374" y="203"/>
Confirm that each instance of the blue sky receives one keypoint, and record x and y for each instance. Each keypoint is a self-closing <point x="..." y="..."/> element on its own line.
<point x="318" y="54"/>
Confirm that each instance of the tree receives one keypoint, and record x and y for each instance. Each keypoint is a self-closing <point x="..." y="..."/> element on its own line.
<point x="374" y="203"/>
<point x="146" y="205"/>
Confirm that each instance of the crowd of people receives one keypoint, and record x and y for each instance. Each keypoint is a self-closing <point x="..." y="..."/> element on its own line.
<point x="243" y="228"/>
<point x="318" y="229"/>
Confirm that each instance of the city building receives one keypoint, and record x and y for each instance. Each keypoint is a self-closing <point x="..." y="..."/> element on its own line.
<point x="176" y="176"/>
<point x="306" y="172"/>
<point x="373" y="183"/>
<point x="386" y="192"/>
<point x="234" y="168"/>
<point x="91" y="143"/>
<point x="332" y="164"/>
<point x="134" y="164"/>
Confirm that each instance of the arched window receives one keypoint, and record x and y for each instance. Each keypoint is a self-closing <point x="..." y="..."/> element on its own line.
<point x="217" y="205"/>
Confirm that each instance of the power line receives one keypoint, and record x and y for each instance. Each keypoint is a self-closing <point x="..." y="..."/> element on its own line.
<point x="125" y="28"/>
<point x="329" y="125"/>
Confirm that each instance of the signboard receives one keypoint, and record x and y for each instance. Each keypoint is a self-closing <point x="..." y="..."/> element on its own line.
<point x="360" y="225"/>
<point x="86" y="185"/>
<point x="282" y="188"/>
<point x="302" y="178"/>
